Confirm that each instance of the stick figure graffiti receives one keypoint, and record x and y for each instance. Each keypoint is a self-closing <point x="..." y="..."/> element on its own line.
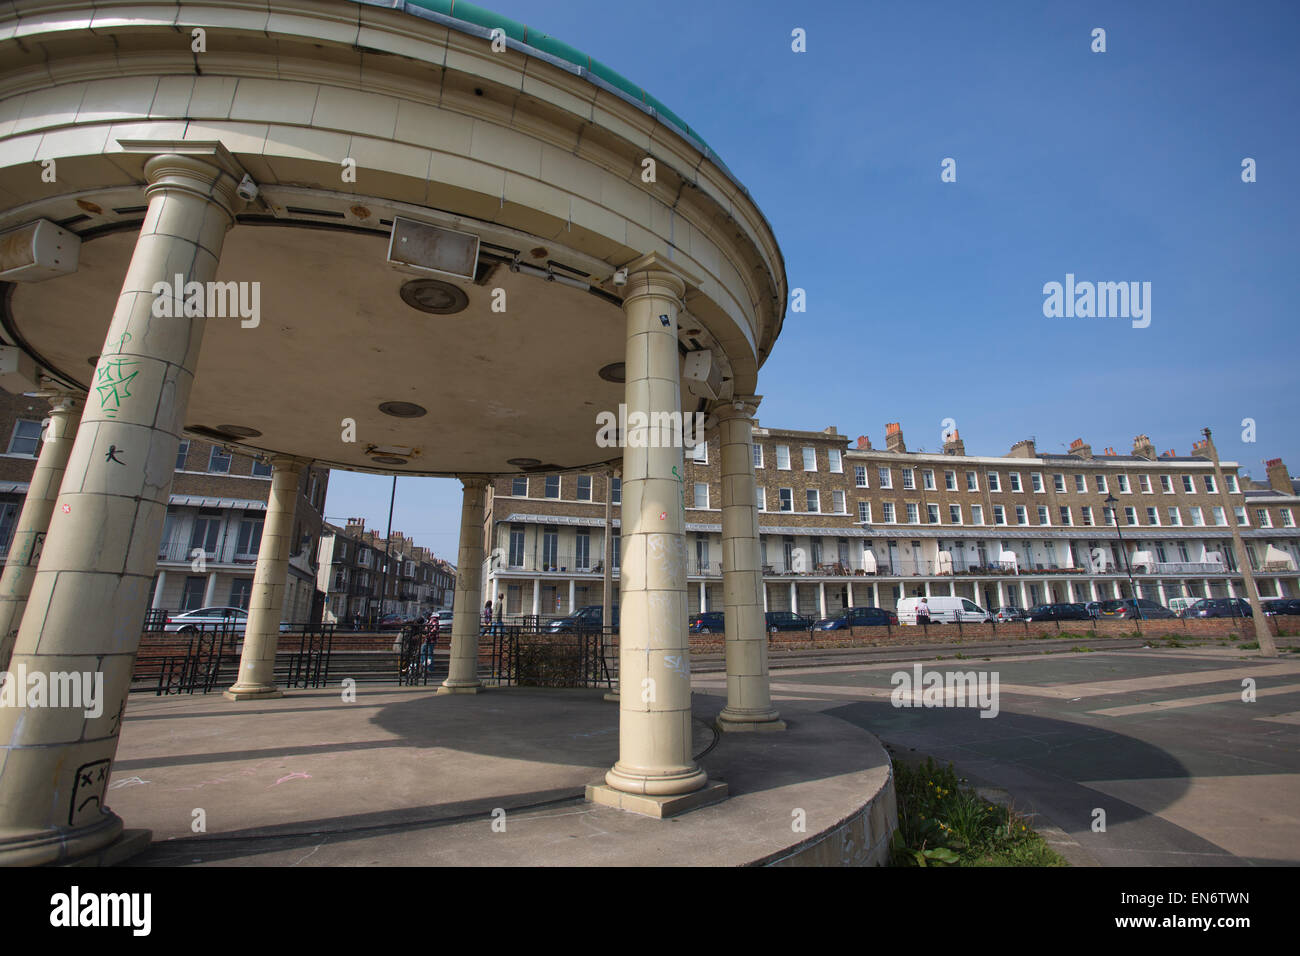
<point x="92" y="779"/>
<point x="112" y="455"/>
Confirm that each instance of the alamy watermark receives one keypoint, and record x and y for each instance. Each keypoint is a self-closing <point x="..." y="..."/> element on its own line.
<point x="653" y="430"/>
<point x="1102" y="300"/>
<point x="56" y="689"/>
<point x="213" y="300"/>
<point x="921" y="688"/>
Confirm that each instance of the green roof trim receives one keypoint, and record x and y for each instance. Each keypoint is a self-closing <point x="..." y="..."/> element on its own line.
<point x="460" y="10"/>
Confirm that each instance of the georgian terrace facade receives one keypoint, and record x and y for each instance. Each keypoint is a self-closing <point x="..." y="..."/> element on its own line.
<point x="845" y="526"/>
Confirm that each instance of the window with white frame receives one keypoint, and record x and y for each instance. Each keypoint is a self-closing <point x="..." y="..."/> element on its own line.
<point x="616" y="487"/>
<point x="1042" y="515"/>
<point x="182" y="452"/>
<point x="1220" y="518"/>
<point x="552" y="486"/>
<point x="1153" y="516"/>
<point x="1144" y="482"/>
<point x="950" y="480"/>
<point x="864" y="512"/>
<point x="972" y="481"/>
<point x="837" y="499"/>
<point x="1198" y="519"/>
<point x="1080" y="484"/>
<point x="1013" y="478"/>
<point x="584" y="487"/>
<point x="1036" y="481"/>
<point x="701" y="494"/>
<point x="1209" y="484"/>
<point x="860" y="475"/>
<point x="1066" y="518"/>
<point x="1242" y="520"/>
<point x="835" y="461"/>
<point x="1085" y="513"/>
<point x="786" y="497"/>
<point x="219" y="461"/>
<point x="1231" y="481"/>
<point x="1189" y="485"/>
<point x="1101" y="484"/>
<point x="810" y="459"/>
<point x="26" y="438"/>
<point x="1022" y="514"/>
<point x="999" y="515"/>
<point x="814" y="500"/>
<point x="1262" y="520"/>
<point x="887" y="512"/>
<point x="1109" y="514"/>
<point x="758" y="455"/>
<point x="760" y="499"/>
<point x="1058" y="482"/>
<point x="932" y="514"/>
<point x="1287" y="520"/>
<point x="782" y="457"/>
<point x="1130" y="516"/>
<point x="1166" y="484"/>
<point x="976" y="514"/>
<point x="954" y="514"/>
<point x="1124" y="488"/>
<point x="927" y="479"/>
<point x="886" y="481"/>
<point x="1175" y="517"/>
<point x="913" y="513"/>
<point x="909" y="479"/>
<point x="519" y="486"/>
<point x="995" y="481"/>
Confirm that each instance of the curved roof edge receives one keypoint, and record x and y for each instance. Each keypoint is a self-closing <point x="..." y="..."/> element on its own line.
<point x="476" y="21"/>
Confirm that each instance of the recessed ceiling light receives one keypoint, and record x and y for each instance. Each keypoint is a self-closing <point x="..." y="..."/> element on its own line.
<point x="403" y="409"/>
<point x="434" y="296"/>
<point x="523" y="462"/>
<point x="614" y="372"/>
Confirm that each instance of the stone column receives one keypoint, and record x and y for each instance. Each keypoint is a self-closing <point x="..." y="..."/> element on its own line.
<point x="266" y="600"/>
<point x="656" y="773"/>
<point x="210" y="592"/>
<point x="34" y="521"/>
<point x="749" y="697"/>
<point x="821" y="598"/>
<point x="462" y="675"/>
<point x="92" y="585"/>
<point x="158" y="591"/>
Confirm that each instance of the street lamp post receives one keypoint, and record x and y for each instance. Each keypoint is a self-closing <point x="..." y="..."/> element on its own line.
<point x="1112" y="501"/>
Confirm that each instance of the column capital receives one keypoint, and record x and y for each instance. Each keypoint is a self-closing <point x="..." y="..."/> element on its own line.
<point x="61" y="400"/>
<point x="204" y="168"/>
<point x="475" y="482"/>
<point x="289" y="463"/>
<point x="741" y="406"/>
<point x="654" y="273"/>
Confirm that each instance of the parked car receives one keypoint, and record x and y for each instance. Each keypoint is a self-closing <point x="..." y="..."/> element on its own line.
<point x="708" y="622"/>
<point x="1282" y="606"/>
<point x="584" y="619"/>
<point x="1009" y="613"/>
<point x="944" y="609"/>
<point x="857" y="617"/>
<point x="392" y="622"/>
<point x="187" y="622"/>
<point x="1179" y="605"/>
<point x="1058" y="612"/>
<point x="1220" y="607"/>
<point x="1094" y="609"/>
<point x="786" y="621"/>
<point x="1135" y="608"/>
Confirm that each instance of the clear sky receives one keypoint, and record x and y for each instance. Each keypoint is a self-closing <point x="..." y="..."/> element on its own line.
<point x="925" y="298"/>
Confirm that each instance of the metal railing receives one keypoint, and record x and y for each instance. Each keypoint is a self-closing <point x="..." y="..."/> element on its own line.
<point x="533" y="658"/>
<point x="310" y="667"/>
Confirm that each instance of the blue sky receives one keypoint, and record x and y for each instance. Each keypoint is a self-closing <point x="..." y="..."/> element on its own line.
<point x="924" y="298"/>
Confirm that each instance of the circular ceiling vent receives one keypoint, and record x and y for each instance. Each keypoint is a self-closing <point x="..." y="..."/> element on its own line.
<point x="403" y="409"/>
<point x="388" y="460"/>
<point x="524" y="462"/>
<point x="240" y="431"/>
<point x="614" y="372"/>
<point x="434" y="296"/>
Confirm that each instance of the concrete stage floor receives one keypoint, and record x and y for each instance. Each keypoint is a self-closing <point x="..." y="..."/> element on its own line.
<point x="404" y="777"/>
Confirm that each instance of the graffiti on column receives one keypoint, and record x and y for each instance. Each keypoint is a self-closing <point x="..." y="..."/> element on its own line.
<point x="681" y="488"/>
<point x="112" y="455"/>
<point x="92" y="779"/>
<point x="112" y="378"/>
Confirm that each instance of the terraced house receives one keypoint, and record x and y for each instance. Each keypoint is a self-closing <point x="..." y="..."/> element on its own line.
<point x="845" y="526"/>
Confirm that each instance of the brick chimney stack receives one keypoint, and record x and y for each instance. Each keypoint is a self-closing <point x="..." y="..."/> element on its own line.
<point x="1169" y="454"/>
<point x="864" y="443"/>
<point x="1024" y="449"/>
<point x="356" y="527"/>
<point x="1201" y="448"/>
<point x="1143" y="447"/>
<point x="1109" y="451"/>
<point x="894" y="437"/>
<point x="1079" y="450"/>
<point x="1278" y="479"/>
<point x="954" y="445"/>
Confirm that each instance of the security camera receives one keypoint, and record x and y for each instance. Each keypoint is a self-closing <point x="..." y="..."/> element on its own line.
<point x="620" y="277"/>
<point x="247" y="189"/>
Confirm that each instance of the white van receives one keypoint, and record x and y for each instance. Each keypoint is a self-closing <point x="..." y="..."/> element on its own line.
<point x="1180" y="604"/>
<point x="944" y="609"/>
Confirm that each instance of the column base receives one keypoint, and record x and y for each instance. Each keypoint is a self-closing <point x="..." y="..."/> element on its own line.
<point x="658" y="806"/>
<point x="60" y="846"/>
<point x="252" y="692"/>
<point x="731" y="722"/>
<point x="475" y="688"/>
<point x="130" y="843"/>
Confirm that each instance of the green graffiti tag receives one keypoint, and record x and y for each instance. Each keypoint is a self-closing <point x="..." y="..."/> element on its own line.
<point x="681" y="488"/>
<point x="111" y="378"/>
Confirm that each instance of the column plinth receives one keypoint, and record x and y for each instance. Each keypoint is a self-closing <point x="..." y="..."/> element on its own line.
<point x="256" y="678"/>
<point x="462" y="675"/>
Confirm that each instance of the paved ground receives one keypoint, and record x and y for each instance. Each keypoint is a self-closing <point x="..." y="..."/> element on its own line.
<point x="1159" y="739"/>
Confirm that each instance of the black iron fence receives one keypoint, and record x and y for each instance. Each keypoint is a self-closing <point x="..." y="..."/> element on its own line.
<point x="529" y="657"/>
<point x="310" y="667"/>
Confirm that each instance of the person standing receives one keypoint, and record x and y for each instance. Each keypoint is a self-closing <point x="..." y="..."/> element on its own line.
<point x="923" y="612"/>
<point x="487" y="616"/>
<point x="498" y="612"/>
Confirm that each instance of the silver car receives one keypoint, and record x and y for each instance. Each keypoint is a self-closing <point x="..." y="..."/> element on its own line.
<point x="210" y="618"/>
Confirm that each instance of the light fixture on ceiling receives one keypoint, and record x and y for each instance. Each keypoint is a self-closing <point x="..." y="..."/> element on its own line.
<point x="434" y="296"/>
<point x="614" y="372"/>
<point x="403" y="409"/>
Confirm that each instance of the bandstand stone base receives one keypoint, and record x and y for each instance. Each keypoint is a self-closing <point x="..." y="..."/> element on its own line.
<point x="653" y="806"/>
